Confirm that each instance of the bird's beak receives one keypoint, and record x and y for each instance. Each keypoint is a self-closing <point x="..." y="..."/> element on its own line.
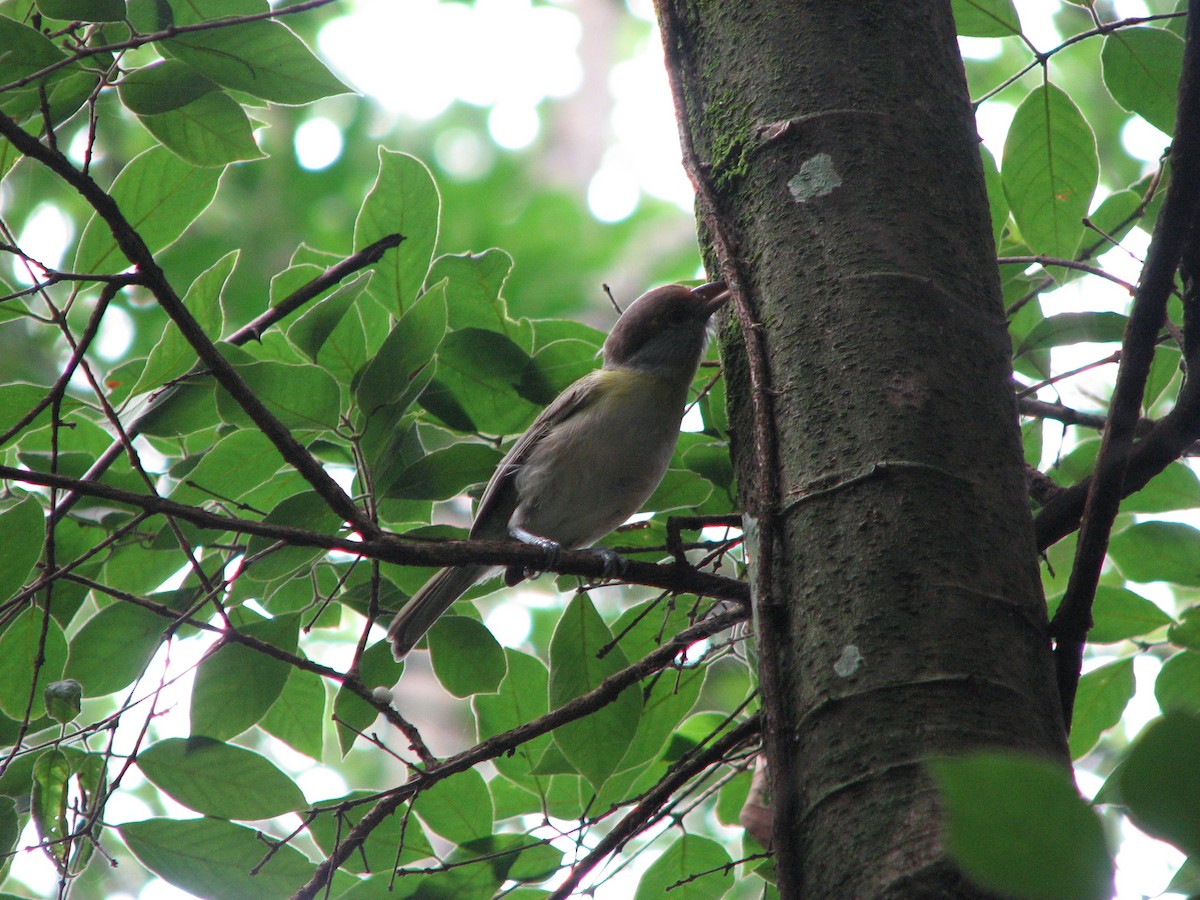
<point x="712" y="295"/>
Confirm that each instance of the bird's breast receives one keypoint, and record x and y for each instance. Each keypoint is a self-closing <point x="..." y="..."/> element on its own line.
<point x="594" y="470"/>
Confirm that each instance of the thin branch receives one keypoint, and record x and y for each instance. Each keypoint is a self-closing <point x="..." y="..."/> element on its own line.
<point x="367" y="256"/>
<point x="55" y="394"/>
<point x="1063" y="376"/>
<point x="253" y="330"/>
<point x="1040" y="409"/>
<point x="406" y="551"/>
<point x="1040" y="57"/>
<point x="141" y="40"/>
<point x="1046" y="261"/>
<point x="231" y="635"/>
<point x="1175" y="227"/>
<point x="136" y="251"/>
<point x="605" y="693"/>
<point x="637" y="818"/>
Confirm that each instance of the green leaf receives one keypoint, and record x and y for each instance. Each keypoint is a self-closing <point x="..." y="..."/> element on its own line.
<point x="1120" y="614"/>
<point x="1160" y="783"/>
<point x="26" y="50"/>
<point x="1102" y="697"/>
<point x="298" y="717"/>
<point x="1187" y="880"/>
<point x="51" y="776"/>
<point x="312" y="330"/>
<point x="466" y="658"/>
<point x="235" y="686"/>
<point x="459" y="808"/>
<point x="1158" y="551"/>
<point x="160" y="195"/>
<point x="18" y="400"/>
<point x="732" y="798"/>
<point x="1050" y="171"/>
<point x="678" y="490"/>
<point x="986" y="18"/>
<point x="20" y="678"/>
<point x="216" y="860"/>
<point x="307" y="511"/>
<point x="1141" y="71"/>
<point x="1177" y="688"/>
<point x="264" y="59"/>
<point x="63" y="700"/>
<point x="22" y="532"/>
<point x="403" y="200"/>
<point x="1031" y="441"/>
<point x="10" y="829"/>
<point x="212" y="131"/>
<point x="474" y="281"/>
<point x="228" y="470"/>
<point x="1060" y="852"/>
<point x="445" y="473"/>
<point x="692" y="868"/>
<point x="219" y="779"/>
<point x="595" y="743"/>
<point x="376" y="668"/>
<point x="555" y="367"/>
<point x="1074" y="328"/>
<point x="1175" y="487"/>
<point x="303" y="398"/>
<point x="398" y="371"/>
<point x="379" y="852"/>
<point x="997" y="202"/>
<point x="114" y="646"/>
<point x="1187" y="632"/>
<point x="711" y="462"/>
<point x="667" y="702"/>
<point x="511" y="857"/>
<point x="83" y="10"/>
<point x="187" y="408"/>
<point x="189" y="114"/>
<point x="173" y="356"/>
<point x="344" y="353"/>
<point x="522" y="698"/>
<point x="483" y="372"/>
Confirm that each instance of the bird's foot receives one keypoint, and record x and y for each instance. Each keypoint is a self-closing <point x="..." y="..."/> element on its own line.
<point x="550" y="547"/>
<point x="614" y="564"/>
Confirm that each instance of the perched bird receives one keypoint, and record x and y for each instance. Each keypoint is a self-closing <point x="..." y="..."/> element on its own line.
<point x="594" y="455"/>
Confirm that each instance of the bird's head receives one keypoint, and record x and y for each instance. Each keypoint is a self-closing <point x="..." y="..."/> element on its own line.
<point x="665" y="329"/>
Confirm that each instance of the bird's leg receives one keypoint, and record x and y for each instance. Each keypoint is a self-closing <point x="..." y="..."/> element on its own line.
<point x="550" y="547"/>
<point x="614" y="563"/>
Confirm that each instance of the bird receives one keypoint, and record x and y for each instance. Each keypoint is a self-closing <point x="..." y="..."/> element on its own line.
<point x="593" y="456"/>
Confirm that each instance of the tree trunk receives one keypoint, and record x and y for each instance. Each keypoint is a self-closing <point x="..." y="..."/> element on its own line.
<point x="898" y="601"/>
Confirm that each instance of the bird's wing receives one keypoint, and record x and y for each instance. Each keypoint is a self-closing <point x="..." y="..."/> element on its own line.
<point x="499" y="490"/>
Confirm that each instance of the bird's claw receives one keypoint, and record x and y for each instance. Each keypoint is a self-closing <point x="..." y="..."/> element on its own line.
<point x="614" y="563"/>
<point x="552" y="549"/>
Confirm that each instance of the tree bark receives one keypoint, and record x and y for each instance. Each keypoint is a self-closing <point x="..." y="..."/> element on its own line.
<point x="898" y="602"/>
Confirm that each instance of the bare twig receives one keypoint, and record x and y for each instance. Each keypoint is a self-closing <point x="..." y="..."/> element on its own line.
<point x="407" y="551"/>
<point x="136" y="251"/>
<point x="605" y="693"/>
<point x="653" y="801"/>
<point x="1175" y="227"/>
<point x="254" y="330"/>
<point x="141" y="40"/>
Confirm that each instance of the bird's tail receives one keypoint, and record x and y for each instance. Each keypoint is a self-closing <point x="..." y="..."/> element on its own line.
<point x="433" y="599"/>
